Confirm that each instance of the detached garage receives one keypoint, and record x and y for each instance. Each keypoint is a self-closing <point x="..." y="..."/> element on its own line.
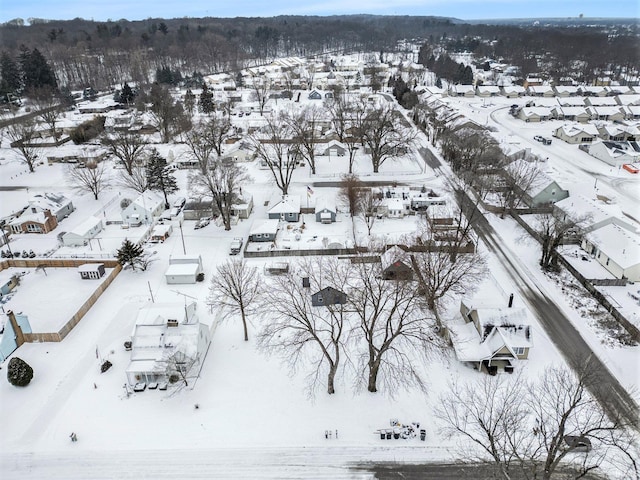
<point x="84" y="232"/>
<point x="184" y="269"/>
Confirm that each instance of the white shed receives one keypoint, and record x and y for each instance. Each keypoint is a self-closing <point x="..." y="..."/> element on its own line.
<point x="183" y="269"/>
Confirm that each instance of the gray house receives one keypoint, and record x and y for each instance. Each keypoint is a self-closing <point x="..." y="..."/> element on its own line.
<point x="545" y="191"/>
<point x="264" y="231"/>
<point x="328" y="296"/>
<point x="287" y="209"/>
<point x="396" y="264"/>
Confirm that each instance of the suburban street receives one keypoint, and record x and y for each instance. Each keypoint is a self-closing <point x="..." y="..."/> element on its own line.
<point x="608" y="390"/>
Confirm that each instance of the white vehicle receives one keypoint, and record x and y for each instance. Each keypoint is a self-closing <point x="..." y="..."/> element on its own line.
<point x="203" y="222"/>
<point x="236" y="246"/>
<point x="179" y="202"/>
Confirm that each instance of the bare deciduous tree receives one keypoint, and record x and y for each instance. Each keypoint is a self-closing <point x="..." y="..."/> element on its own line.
<point x="93" y="177"/>
<point x="305" y="130"/>
<point x="393" y="328"/>
<point x="275" y="149"/>
<point x="351" y="188"/>
<point x="301" y="331"/>
<point x="136" y="180"/>
<point x="346" y="116"/>
<point x="369" y="203"/>
<point x="127" y="147"/>
<point x="529" y="427"/>
<point x="260" y="90"/>
<point x="179" y="365"/>
<point x="552" y="230"/>
<point x="236" y="287"/>
<point x="383" y="135"/>
<point x="167" y="113"/>
<point x="222" y="180"/>
<point x="518" y="179"/>
<point x="22" y="134"/>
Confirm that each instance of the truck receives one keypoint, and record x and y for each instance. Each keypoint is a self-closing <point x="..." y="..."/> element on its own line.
<point x="236" y="246"/>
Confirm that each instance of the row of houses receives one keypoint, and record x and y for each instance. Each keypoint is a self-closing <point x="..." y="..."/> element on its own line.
<point x="579" y="114"/>
<point x="535" y="90"/>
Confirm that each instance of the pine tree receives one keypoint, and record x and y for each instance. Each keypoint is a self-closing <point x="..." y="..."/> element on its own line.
<point x="189" y="101"/>
<point x="10" y="81"/>
<point x="206" y="100"/>
<point x="36" y="71"/>
<point x="129" y="253"/>
<point x="127" y="96"/>
<point x="159" y="177"/>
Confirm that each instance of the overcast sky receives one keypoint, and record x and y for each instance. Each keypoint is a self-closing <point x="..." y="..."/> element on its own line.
<point x="464" y="9"/>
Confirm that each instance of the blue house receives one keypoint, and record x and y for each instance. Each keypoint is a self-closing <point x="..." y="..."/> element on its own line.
<point x="325" y="211"/>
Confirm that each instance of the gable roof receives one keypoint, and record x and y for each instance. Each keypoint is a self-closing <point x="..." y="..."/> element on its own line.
<point x="288" y="204"/>
<point x="395" y="255"/>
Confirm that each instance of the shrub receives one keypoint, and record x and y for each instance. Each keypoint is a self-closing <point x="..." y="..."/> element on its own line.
<point x="124" y="203"/>
<point x="105" y="366"/>
<point x="19" y="373"/>
<point x="87" y="130"/>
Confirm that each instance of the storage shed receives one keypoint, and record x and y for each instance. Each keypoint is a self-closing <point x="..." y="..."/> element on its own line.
<point x="184" y="269"/>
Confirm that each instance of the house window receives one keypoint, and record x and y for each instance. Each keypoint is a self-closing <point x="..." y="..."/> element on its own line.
<point x="320" y="299"/>
<point x="31" y="227"/>
<point x="519" y="351"/>
<point x="607" y="261"/>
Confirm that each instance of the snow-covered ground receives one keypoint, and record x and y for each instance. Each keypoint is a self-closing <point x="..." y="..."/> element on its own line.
<point x="251" y="408"/>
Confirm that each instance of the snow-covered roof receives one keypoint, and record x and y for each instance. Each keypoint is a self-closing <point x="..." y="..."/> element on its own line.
<point x="87" y="226"/>
<point x="49" y="201"/>
<point x="38" y="217"/>
<point x="269" y="226"/>
<point x="598" y="212"/>
<point x="288" y="204"/>
<point x="393" y="255"/>
<point x="182" y="269"/>
<point x="90" y="267"/>
<point x="576" y="130"/>
<point x="324" y="202"/>
<point x="620" y="245"/>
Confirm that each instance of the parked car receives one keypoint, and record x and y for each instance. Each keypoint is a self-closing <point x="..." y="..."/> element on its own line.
<point x="538" y="138"/>
<point x="179" y="202"/>
<point x="203" y="222"/>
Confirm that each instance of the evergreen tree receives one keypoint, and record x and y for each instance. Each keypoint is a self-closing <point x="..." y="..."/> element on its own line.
<point x="130" y="253"/>
<point x="159" y="177"/>
<point x="10" y="81"/>
<point x="19" y="372"/>
<point x="189" y="101"/>
<point x="36" y="71"/>
<point x="239" y="80"/>
<point x="206" y="100"/>
<point x="126" y="95"/>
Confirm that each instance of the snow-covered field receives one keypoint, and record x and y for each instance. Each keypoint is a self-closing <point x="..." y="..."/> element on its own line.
<point x="251" y="408"/>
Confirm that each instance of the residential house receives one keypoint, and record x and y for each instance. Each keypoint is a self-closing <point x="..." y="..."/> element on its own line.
<point x="574" y="114"/>
<point x="631" y="112"/>
<point x="325" y="210"/>
<point x="565" y="90"/>
<point x="13" y="336"/>
<point x="468" y="91"/>
<point x="616" y="249"/>
<point x="319" y="95"/>
<point x="91" y="271"/>
<point x="593" y="90"/>
<point x="544" y="191"/>
<point x="540" y="91"/>
<point x="513" y="91"/>
<point x="167" y="337"/>
<point x="597" y="211"/>
<point x="611" y="114"/>
<point x="83" y="233"/>
<point x="492" y="338"/>
<point x="396" y="264"/>
<point x="264" y="231"/>
<point x="184" y="269"/>
<point x="615" y="154"/>
<point x="601" y="102"/>
<point x="287" y="209"/>
<point x="328" y="296"/>
<point x="59" y="205"/>
<point x="534" y="114"/>
<point x="532" y="82"/>
<point x="612" y="132"/>
<point x="487" y="91"/>
<point x="333" y="148"/>
<point x="41" y="222"/>
<point x="575" y="134"/>
<point x="147" y="206"/>
<point x="243" y="208"/>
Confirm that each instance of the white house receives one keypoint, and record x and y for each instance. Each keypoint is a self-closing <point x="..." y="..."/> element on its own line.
<point x="167" y="337"/>
<point x="575" y="114"/>
<point x="84" y="232"/>
<point x="616" y="249"/>
<point x="184" y="269"/>
<point x="59" y="205"/>
<point x="598" y="212"/>
<point x="468" y="91"/>
<point x="615" y="154"/>
<point x="576" y="133"/>
<point x="144" y="209"/>
<point x="513" y="91"/>
<point x="492" y="337"/>
<point x="534" y="114"/>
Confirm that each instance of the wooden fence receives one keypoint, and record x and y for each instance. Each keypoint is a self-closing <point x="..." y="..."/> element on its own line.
<point x="86" y="306"/>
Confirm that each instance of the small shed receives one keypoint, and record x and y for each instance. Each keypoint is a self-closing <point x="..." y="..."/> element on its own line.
<point x="91" y="271"/>
<point x="325" y="211"/>
<point x="184" y="269"/>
